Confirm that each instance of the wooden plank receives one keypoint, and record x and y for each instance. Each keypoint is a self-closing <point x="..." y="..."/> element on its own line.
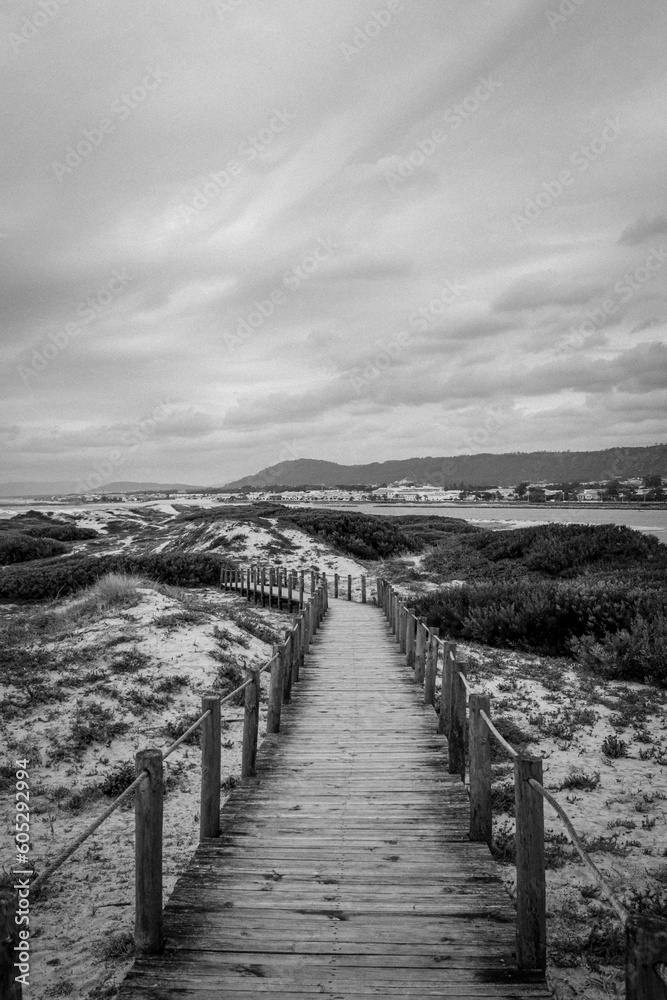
<point x="344" y="868"/>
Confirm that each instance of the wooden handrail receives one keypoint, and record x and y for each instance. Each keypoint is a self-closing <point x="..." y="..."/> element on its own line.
<point x="147" y="786"/>
<point x="646" y="937"/>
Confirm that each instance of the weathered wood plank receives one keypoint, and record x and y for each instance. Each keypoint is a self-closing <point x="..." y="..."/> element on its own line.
<point x="344" y="868"/>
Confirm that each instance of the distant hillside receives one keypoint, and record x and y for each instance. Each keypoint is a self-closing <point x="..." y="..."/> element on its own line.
<point x="480" y="471"/>
<point x="62" y="487"/>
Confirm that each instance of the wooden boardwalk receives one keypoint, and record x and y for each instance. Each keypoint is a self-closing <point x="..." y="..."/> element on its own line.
<point x="344" y="869"/>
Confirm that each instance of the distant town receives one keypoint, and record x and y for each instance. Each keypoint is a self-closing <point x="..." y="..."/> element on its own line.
<point x="648" y="489"/>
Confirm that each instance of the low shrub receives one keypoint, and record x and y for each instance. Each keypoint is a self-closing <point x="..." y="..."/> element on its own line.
<point x="560" y="618"/>
<point x="117" y="780"/>
<point x="19" y="548"/>
<point x="129" y="661"/>
<point x="613" y="746"/>
<point x="93" y="723"/>
<point x="51" y="578"/>
<point x="580" y="779"/>
<point x="174" y="728"/>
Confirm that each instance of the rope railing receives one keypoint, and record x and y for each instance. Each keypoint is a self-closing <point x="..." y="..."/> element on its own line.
<point x="465" y="719"/>
<point x="501" y="739"/>
<point x="615" y="903"/>
<point x="284" y="665"/>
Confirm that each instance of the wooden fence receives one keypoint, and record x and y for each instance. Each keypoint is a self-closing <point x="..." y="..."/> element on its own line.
<point x="284" y="666"/>
<point x="285" y="587"/>
<point x="465" y="718"/>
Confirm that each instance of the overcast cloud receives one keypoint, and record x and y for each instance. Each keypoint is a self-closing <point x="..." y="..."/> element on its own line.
<point x="236" y="232"/>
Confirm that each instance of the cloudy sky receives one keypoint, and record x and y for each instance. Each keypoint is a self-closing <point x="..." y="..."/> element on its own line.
<point x="237" y="232"/>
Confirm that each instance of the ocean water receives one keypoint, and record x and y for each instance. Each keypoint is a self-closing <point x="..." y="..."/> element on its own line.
<point x="650" y="521"/>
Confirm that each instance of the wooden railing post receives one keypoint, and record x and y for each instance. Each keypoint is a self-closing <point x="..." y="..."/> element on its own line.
<point x="448" y="657"/>
<point x="274" y="709"/>
<point x="288" y="658"/>
<point x="302" y="643"/>
<point x="349" y="586"/>
<point x="263" y="583"/>
<point x="336" y="579"/>
<point x="645" y="948"/>
<point x="306" y="631"/>
<point x="314" y="613"/>
<point x="296" y="642"/>
<point x="148" y="934"/>
<point x="311" y="621"/>
<point x="10" y="956"/>
<point x="250" y="725"/>
<point x="531" y="914"/>
<point x="431" y="667"/>
<point x="279" y="588"/>
<point x="363" y="589"/>
<point x="312" y="581"/>
<point x="209" y="808"/>
<point x="457" y="729"/>
<point x="410" y="642"/>
<point x="420" y="653"/>
<point x="481" y="818"/>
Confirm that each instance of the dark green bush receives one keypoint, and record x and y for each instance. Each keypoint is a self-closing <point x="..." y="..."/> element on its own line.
<point x="63" y="532"/>
<point x="65" y="576"/>
<point x="18" y="548"/>
<point x="549" y="617"/>
<point x="564" y="549"/>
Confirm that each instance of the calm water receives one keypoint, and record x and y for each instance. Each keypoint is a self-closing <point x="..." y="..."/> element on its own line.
<point x="651" y="522"/>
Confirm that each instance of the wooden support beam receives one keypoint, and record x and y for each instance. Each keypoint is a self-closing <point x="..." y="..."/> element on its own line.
<point x="431" y="667"/>
<point x="420" y="653"/>
<point x="410" y="642"/>
<point x="274" y="709"/>
<point x="288" y="656"/>
<point x="531" y="911"/>
<point x="209" y="806"/>
<point x="250" y="725"/>
<point x="457" y="734"/>
<point x="481" y="819"/>
<point x="645" y="957"/>
<point x="448" y="657"/>
<point x="148" y="932"/>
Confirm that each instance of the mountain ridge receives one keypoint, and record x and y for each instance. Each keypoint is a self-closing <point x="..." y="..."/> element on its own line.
<point x="481" y="471"/>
